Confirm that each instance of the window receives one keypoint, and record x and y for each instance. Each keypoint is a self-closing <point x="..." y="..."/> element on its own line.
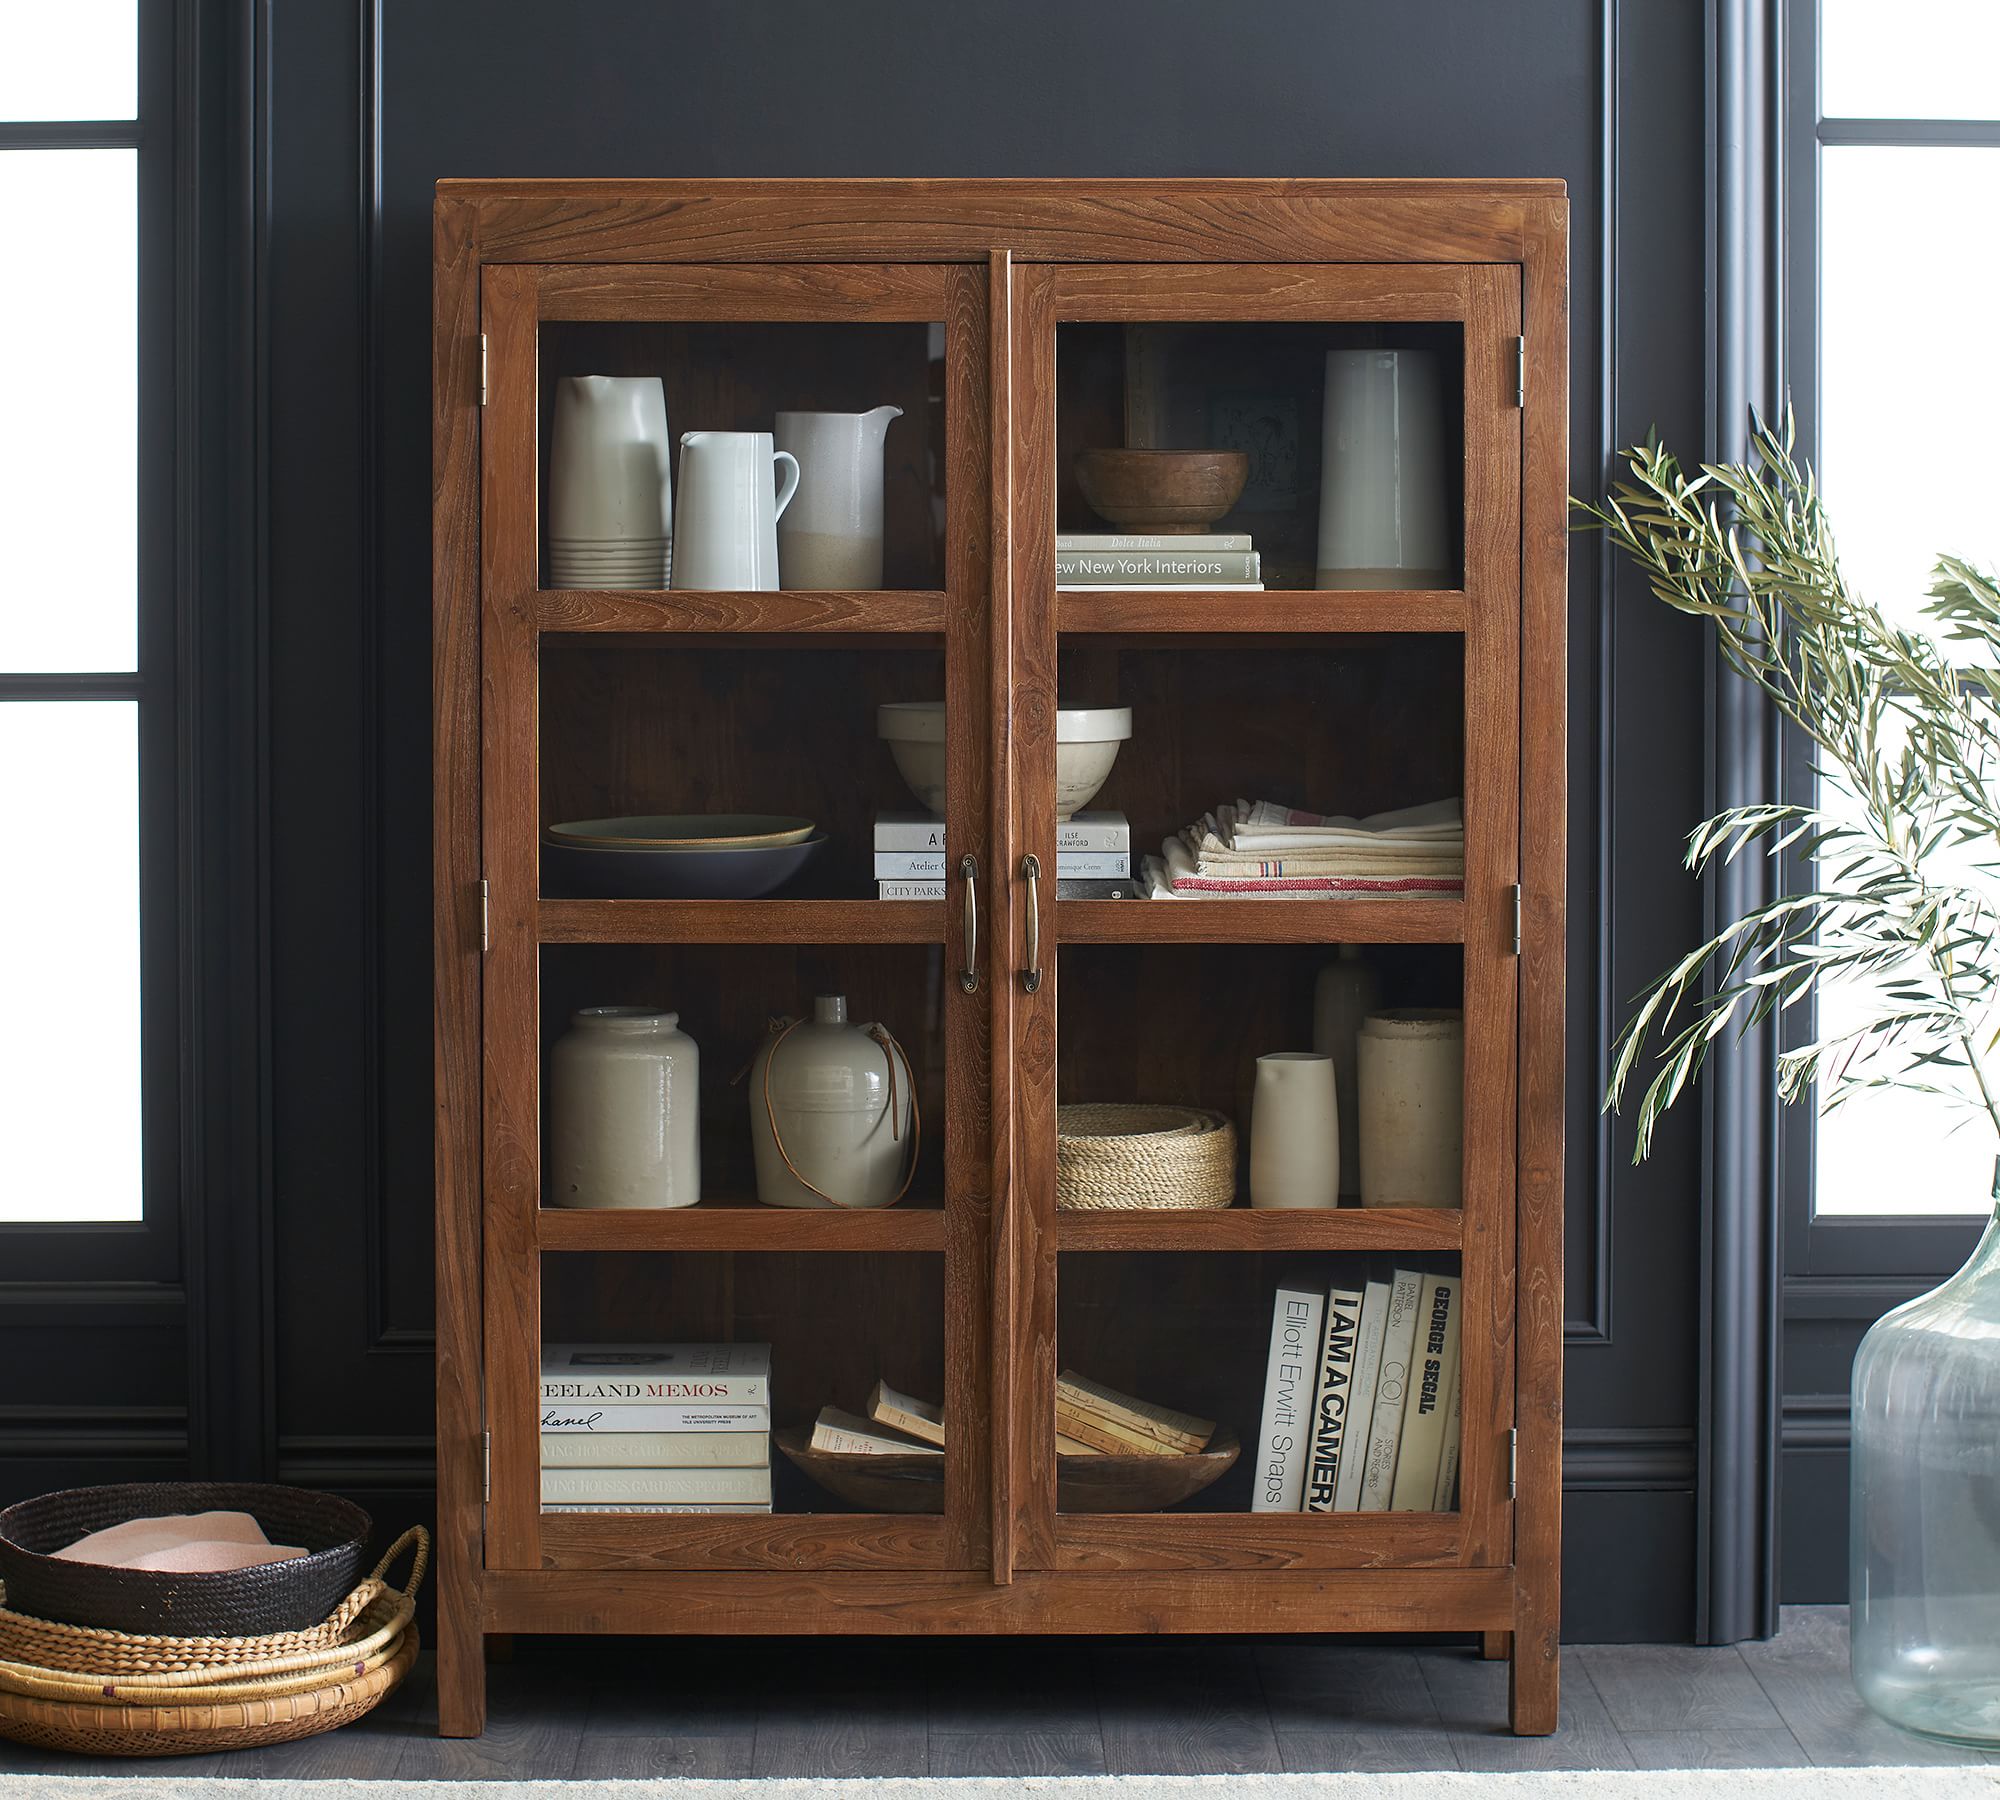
<point x="1896" y="372"/>
<point x="86" y="641"/>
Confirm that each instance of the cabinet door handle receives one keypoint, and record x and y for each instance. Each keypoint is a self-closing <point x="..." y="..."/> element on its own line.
<point x="1031" y="873"/>
<point x="968" y="977"/>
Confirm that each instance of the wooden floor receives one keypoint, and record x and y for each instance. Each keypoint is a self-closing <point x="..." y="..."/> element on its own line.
<point x="1152" y="1706"/>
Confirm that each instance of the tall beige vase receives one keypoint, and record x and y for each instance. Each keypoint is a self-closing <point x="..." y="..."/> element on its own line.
<point x="624" y="1111"/>
<point x="1411" y="1071"/>
<point x="1294" y="1132"/>
<point x="1346" y="992"/>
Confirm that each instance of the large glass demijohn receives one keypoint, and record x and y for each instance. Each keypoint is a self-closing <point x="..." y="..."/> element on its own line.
<point x="1925" y="1531"/>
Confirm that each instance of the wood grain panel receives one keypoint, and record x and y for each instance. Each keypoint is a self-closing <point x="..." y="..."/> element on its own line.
<point x="742" y="922"/>
<point x="1391" y="292"/>
<point x="942" y="221"/>
<point x="879" y="292"/>
<point x="1534" y="1691"/>
<point x="874" y="1605"/>
<point x="1225" y="613"/>
<point x="995" y="882"/>
<point x="1417" y="1230"/>
<point x="690" y="1541"/>
<point x="455" y="951"/>
<point x="508" y="834"/>
<point x="1492" y="864"/>
<point x="969" y="1123"/>
<point x="1031" y="531"/>
<point x="1230" y="1542"/>
<point x="1384" y="921"/>
<point x="637" y="611"/>
<point x="743" y="1225"/>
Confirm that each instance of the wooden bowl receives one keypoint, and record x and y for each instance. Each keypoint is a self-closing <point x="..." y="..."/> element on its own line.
<point x="1166" y="491"/>
<point x="914" y="1483"/>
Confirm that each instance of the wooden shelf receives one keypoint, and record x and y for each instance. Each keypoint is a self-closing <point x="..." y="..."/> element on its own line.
<point x="734" y="1222"/>
<point x="1349" y="1228"/>
<point x="643" y="611"/>
<point x="742" y="922"/>
<point x="1384" y="921"/>
<point x="1205" y="612"/>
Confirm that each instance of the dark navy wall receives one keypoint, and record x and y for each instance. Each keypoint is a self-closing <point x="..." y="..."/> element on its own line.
<point x="367" y="105"/>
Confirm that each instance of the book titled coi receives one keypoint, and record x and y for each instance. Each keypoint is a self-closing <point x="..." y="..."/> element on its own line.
<point x="657" y="1374"/>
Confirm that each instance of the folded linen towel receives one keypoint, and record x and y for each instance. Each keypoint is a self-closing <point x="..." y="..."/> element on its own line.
<point x="185" y="1543"/>
<point x="1174" y="876"/>
<point x="1439" y="821"/>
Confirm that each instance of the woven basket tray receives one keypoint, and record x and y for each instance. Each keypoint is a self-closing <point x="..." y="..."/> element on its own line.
<point x="107" y="1693"/>
<point x="1120" y="1157"/>
<point x="252" y="1602"/>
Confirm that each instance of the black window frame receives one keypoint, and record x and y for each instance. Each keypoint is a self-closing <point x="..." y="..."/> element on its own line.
<point x="149" y="1248"/>
<point x="1912" y="1247"/>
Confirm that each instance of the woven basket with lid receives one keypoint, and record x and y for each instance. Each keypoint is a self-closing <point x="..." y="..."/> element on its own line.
<point x="1141" y="1157"/>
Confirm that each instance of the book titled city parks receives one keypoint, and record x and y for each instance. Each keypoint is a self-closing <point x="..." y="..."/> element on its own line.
<point x="1362" y="1399"/>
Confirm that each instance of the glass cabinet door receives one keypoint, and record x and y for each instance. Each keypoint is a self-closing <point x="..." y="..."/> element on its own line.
<point x="735" y="790"/>
<point x="1265" y="542"/>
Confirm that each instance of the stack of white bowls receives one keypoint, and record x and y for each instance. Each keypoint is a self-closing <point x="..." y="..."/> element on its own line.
<point x="610" y="487"/>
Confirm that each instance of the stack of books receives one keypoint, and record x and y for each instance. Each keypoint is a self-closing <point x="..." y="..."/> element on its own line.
<point x="1114" y="560"/>
<point x="1093" y="857"/>
<point x="1095" y="1420"/>
<point x="1362" y="1397"/>
<point x="656" y="1428"/>
<point x="896" y="1424"/>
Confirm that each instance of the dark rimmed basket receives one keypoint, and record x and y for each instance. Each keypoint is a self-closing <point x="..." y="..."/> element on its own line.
<point x="286" y="1596"/>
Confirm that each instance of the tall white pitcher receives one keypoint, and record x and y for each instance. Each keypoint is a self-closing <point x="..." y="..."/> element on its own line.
<point x="726" y="527"/>
<point x="832" y="537"/>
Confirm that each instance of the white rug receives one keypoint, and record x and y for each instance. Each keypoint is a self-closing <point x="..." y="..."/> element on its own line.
<point x="1623" y="1784"/>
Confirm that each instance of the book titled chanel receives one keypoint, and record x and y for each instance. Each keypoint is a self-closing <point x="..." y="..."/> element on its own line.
<point x="657" y="1374"/>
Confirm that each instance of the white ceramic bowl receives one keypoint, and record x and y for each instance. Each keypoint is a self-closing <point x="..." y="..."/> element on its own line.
<point x="1087" y="740"/>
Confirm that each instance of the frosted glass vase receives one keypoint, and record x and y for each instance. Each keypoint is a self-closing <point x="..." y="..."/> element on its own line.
<point x="1924" y="1573"/>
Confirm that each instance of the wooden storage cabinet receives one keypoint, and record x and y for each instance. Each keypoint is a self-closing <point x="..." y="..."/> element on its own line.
<point x="1014" y="323"/>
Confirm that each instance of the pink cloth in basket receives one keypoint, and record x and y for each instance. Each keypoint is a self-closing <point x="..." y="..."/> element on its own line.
<point x="184" y="1543"/>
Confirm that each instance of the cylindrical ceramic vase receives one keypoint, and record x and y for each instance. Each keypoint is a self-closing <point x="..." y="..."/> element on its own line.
<point x="1411" y="1071"/>
<point x="624" y="1111"/>
<point x="1294" y="1132"/>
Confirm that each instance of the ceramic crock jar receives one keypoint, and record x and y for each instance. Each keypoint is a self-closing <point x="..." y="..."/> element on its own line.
<point x="1411" y="1081"/>
<point x="624" y="1111"/>
<point x="832" y="1112"/>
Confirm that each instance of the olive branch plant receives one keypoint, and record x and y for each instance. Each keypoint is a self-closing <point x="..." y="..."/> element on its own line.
<point x="1902" y="840"/>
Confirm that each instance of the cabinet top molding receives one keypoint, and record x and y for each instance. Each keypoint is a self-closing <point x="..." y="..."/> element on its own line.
<point x="1198" y="220"/>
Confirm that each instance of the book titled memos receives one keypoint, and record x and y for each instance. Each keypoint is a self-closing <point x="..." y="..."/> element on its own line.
<point x="656" y="1374"/>
<point x="1279" y="1471"/>
<point x="1333" y="1399"/>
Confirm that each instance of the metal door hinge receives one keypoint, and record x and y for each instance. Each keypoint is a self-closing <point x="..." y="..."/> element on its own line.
<point x="1514" y="920"/>
<point x="1520" y="371"/>
<point x="482" y="368"/>
<point x="486" y="915"/>
<point x="1513" y="1459"/>
<point x="486" y="1465"/>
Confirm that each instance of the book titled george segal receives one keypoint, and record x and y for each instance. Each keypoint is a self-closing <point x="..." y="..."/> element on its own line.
<point x="655" y="1374"/>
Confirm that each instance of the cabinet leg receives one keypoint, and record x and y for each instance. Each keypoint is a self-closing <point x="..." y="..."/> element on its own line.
<point x="1533" y="1682"/>
<point x="461" y="1673"/>
<point x="1496" y="1646"/>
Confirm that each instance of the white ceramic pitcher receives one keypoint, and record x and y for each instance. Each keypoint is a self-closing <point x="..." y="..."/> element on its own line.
<point x="610" y="495"/>
<point x="832" y="537"/>
<point x="726" y="526"/>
